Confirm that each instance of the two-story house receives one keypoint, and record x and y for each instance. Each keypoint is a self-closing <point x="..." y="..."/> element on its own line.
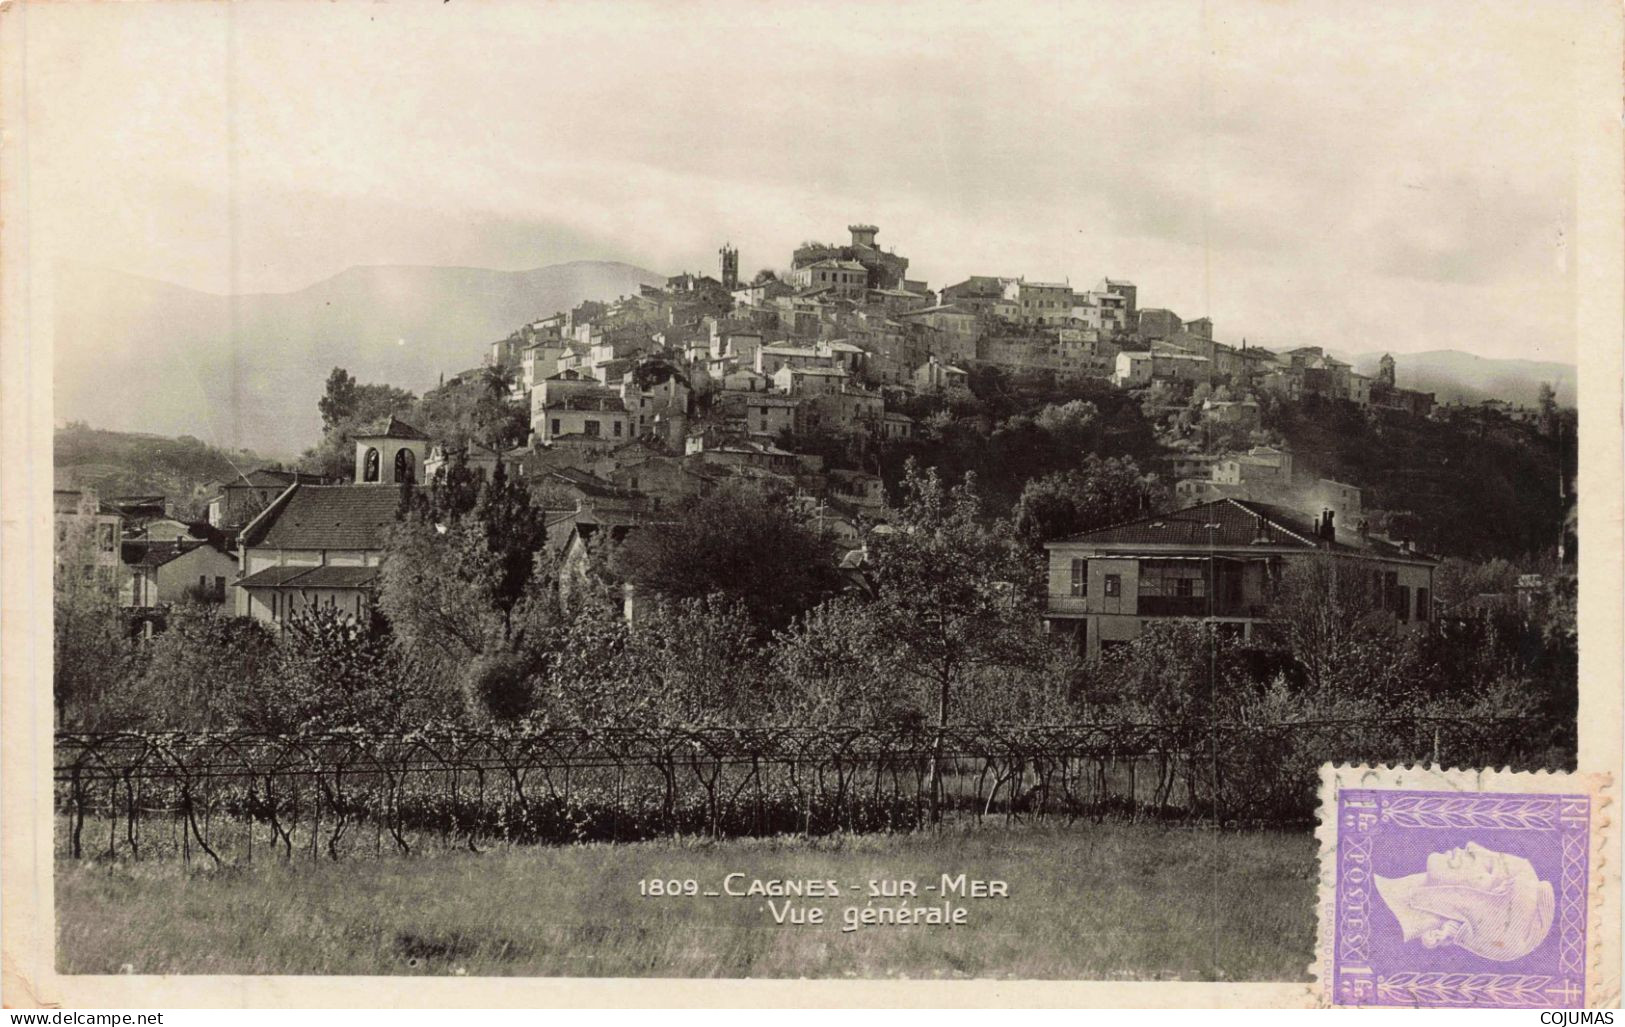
<point x="163" y="573"/>
<point x="1218" y="562"/>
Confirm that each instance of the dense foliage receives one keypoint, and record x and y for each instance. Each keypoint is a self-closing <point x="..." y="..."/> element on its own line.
<point x="740" y="543"/>
<point x="1477" y="488"/>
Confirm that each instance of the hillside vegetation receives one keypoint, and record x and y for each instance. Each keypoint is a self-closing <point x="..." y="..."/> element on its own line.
<point x="1476" y="489"/>
<point x="132" y="463"/>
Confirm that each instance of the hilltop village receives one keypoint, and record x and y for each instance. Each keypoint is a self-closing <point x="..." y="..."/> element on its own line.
<point x="615" y="413"/>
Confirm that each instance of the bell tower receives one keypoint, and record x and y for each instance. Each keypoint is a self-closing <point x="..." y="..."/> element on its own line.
<point x="389" y="454"/>
<point x="730" y="267"/>
<point x="1385" y="371"/>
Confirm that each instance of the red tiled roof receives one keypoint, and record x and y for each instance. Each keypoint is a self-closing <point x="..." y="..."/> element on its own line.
<point x="328" y="517"/>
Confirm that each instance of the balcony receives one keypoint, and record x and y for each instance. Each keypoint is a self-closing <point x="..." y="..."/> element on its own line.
<point x="1156" y="606"/>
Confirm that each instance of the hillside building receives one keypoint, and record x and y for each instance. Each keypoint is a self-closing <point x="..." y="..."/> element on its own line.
<point x="1219" y="562"/>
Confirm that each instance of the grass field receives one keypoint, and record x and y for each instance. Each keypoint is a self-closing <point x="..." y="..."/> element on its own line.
<point x="1096" y="901"/>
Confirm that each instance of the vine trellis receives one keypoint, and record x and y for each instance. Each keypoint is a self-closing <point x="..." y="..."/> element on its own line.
<point x="225" y="798"/>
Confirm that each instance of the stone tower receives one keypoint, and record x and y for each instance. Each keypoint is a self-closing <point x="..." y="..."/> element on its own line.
<point x="730" y="267"/>
<point x="1385" y="371"/>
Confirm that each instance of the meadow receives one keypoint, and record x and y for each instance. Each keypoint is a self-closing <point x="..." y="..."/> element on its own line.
<point x="1086" y="900"/>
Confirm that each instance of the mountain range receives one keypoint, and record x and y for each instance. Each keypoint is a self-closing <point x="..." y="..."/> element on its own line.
<point x="1452" y="375"/>
<point x="135" y="354"/>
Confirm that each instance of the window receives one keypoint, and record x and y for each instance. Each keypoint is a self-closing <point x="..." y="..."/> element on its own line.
<point x="405" y="467"/>
<point x="555" y="430"/>
<point x="107" y="538"/>
<point x="1423" y="612"/>
<point x="276" y="606"/>
<point x="1114" y="585"/>
<point x="220" y="584"/>
<point x="1080" y="578"/>
<point x="1404" y="602"/>
<point x="369" y="465"/>
<point x="618" y="427"/>
<point x="592" y="428"/>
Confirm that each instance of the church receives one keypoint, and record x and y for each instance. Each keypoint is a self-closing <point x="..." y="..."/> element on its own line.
<point x="321" y="545"/>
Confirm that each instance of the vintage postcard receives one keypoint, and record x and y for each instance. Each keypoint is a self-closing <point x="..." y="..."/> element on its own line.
<point x="842" y="503"/>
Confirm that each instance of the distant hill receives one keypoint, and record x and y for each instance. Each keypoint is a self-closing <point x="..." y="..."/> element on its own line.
<point x="142" y="355"/>
<point x="1454" y="375"/>
<point x="139" y="464"/>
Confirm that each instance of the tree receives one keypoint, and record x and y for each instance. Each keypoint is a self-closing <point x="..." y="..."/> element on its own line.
<point x="515" y="537"/>
<point x="459" y="583"/>
<point x="829" y="667"/>
<point x="346" y="408"/>
<point x="431" y="592"/>
<point x="210" y="672"/>
<point x="338" y="403"/>
<point x="498" y="380"/>
<point x="695" y="661"/>
<point x="1546" y="404"/>
<point x="335" y="673"/>
<point x="1333" y="624"/>
<point x="738" y="543"/>
<point x="1099" y="493"/>
<point x="952" y="595"/>
<point x="90" y="650"/>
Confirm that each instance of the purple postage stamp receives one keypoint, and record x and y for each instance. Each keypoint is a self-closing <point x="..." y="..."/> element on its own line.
<point x="1456" y="888"/>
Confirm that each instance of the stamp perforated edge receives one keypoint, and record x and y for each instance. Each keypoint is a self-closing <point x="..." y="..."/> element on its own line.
<point x="1602" y="981"/>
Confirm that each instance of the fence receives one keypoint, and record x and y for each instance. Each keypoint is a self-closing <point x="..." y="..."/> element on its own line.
<point x="230" y="798"/>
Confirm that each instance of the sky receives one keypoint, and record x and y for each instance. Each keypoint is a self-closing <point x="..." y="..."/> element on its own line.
<point x="1364" y="177"/>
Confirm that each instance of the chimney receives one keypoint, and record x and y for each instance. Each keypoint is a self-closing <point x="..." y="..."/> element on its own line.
<point x="1261" y="532"/>
<point x="1331" y="525"/>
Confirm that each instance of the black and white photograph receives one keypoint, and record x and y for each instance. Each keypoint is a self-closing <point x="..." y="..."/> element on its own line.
<point x="837" y="493"/>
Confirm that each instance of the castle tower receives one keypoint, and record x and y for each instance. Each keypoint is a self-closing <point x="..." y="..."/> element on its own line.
<point x="390" y="453"/>
<point x="863" y="235"/>
<point x="1385" y="371"/>
<point x="730" y="267"/>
